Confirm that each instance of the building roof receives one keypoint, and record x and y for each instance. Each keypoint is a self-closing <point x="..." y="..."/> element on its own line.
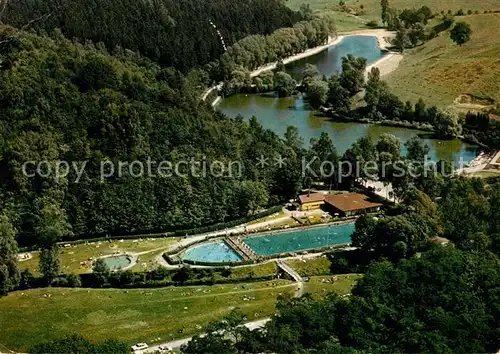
<point x="311" y="198"/>
<point x="350" y="201"/>
<point x="493" y="116"/>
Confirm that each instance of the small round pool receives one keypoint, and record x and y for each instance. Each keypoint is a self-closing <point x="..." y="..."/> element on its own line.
<point x="117" y="262"/>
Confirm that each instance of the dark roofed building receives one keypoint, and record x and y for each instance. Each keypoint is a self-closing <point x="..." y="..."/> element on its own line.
<point x="350" y="204"/>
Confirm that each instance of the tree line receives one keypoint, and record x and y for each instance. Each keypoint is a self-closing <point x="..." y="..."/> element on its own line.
<point x="256" y="50"/>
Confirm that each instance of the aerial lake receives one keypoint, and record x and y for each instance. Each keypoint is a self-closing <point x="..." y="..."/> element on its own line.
<point x="278" y="113"/>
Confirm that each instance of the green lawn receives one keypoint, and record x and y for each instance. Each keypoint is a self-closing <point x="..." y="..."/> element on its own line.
<point x="259" y="270"/>
<point x="135" y="315"/>
<point x="440" y="71"/>
<point x="319" y="286"/>
<point x="72" y="257"/>
<point x="310" y="267"/>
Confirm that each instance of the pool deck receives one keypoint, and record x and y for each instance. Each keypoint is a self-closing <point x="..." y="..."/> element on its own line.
<point x="241" y="248"/>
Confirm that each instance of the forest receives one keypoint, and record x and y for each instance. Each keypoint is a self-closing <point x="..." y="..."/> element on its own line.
<point x="175" y="33"/>
<point x="65" y="101"/>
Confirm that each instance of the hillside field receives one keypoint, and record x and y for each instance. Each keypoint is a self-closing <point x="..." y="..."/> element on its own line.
<point x="440" y="71"/>
<point x="133" y="315"/>
<point x="371" y="8"/>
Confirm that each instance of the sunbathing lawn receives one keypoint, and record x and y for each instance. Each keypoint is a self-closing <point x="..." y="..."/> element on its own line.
<point x="319" y="286"/>
<point x="259" y="270"/>
<point x="72" y="257"/>
<point x="311" y="266"/>
<point x="134" y="315"/>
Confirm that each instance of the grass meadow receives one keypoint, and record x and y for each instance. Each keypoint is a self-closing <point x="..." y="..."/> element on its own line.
<point x="439" y="71"/>
<point x="134" y="315"/>
<point x="319" y="286"/>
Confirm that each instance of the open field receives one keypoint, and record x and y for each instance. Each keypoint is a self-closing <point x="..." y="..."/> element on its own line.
<point x="371" y="8"/>
<point x="259" y="270"/>
<point x="440" y="71"/>
<point x="308" y="267"/>
<point x="72" y="257"/>
<point x="133" y="315"/>
<point x="319" y="286"/>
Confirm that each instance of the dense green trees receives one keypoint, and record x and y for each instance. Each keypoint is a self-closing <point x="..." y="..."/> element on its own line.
<point x="9" y="273"/>
<point x="254" y="51"/>
<point x="352" y="77"/>
<point x="448" y="124"/>
<point x="461" y="32"/>
<point x="49" y="264"/>
<point x="78" y="344"/>
<point x="385" y="7"/>
<point x="284" y="84"/>
<point x="100" y="271"/>
<point x="94" y="110"/>
<point x="317" y="93"/>
<point x="178" y="33"/>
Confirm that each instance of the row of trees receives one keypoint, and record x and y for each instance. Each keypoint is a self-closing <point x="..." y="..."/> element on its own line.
<point x="256" y="50"/>
<point x="410" y="26"/>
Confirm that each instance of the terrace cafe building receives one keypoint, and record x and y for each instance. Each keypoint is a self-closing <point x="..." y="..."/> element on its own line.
<point x="345" y="204"/>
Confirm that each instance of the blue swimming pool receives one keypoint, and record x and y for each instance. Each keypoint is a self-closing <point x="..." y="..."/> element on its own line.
<point x="212" y="252"/>
<point x="296" y="241"/>
<point x="270" y="244"/>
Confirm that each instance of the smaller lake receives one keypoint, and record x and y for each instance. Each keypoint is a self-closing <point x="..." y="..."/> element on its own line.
<point x="329" y="61"/>
<point x="296" y="241"/>
<point x="117" y="262"/>
<point x="212" y="252"/>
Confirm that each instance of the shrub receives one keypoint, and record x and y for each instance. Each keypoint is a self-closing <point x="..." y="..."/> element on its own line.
<point x="183" y="274"/>
<point x="159" y="273"/>
<point x="372" y="24"/>
<point x="73" y="281"/>
<point x="61" y="282"/>
<point x="27" y="279"/>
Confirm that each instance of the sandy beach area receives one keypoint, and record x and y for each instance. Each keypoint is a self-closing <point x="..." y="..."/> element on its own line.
<point x="386" y="64"/>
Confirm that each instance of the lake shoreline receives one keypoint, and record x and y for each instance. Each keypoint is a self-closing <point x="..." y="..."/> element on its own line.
<point x="386" y="64"/>
<point x="383" y="43"/>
